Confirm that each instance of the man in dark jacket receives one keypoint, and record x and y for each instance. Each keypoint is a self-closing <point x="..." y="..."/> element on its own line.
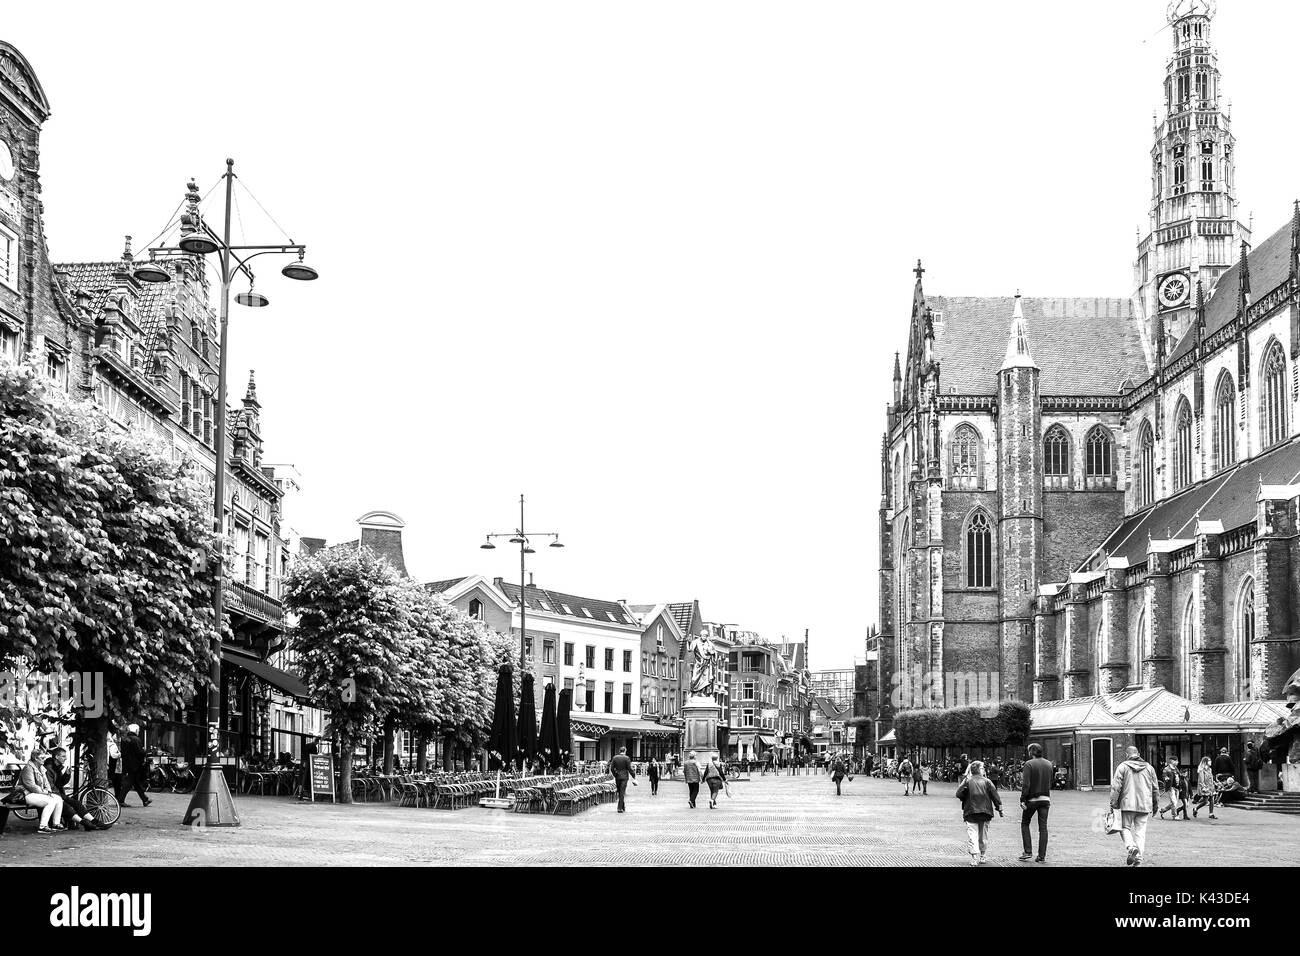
<point x="691" y="774"/>
<point x="1254" y="763"/>
<point x="1035" y="798"/>
<point x="621" y="768"/>
<point x="653" y="773"/>
<point x="1223" y="765"/>
<point x="133" y="766"/>
<point x="74" y="812"/>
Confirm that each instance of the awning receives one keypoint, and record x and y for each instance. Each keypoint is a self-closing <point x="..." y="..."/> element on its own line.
<point x="599" y="726"/>
<point x="289" y="683"/>
<point x="578" y="738"/>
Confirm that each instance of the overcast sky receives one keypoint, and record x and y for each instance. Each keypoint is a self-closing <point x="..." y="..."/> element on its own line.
<point x="645" y="263"/>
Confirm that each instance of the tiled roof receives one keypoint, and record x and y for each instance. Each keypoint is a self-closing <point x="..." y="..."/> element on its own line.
<point x="682" y="614"/>
<point x="1229" y="497"/>
<point x="1081" y="346"/>
<point x="437" y="587"/>
<point x="1252" y="713"/>
<point x="1132" y="708"/>
<point x="571" y="605"/>
<point x="794" y="653"/>
<point x="98" y="281"/>
<point x="1268" y="264"/>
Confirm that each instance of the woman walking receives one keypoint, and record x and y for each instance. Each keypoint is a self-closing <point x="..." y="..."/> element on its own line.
<point x="715" y="778"/>
<point x="905" y="774"/>
<point x="979" y="798"/>
<point x="1204" y="788"/>
<point x="925" y="777"/>
<point x="1175" y="785"/>
<point x="837" y="773"/>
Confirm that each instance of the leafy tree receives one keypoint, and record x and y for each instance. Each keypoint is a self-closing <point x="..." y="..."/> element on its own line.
<point x="354" y="625"/>
<point x="104" y="545"/>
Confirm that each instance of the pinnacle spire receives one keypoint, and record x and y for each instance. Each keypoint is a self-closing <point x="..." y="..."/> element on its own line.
<point x="1243" y="281"/>
<point x="1018" y="355"/>
<point x="251" y="394"/>
<point x="898" y="372"/>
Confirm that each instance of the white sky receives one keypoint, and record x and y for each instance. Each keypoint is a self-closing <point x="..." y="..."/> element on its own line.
<point x="646" y="263"/>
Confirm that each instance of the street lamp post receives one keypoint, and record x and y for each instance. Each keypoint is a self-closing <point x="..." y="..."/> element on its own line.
<point x="520" y="537"/>
<point x="212" y="804"/>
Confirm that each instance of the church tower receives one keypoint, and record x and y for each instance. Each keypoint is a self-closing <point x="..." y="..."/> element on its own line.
<point x="1193" y="233"/>
<point x="1020" y="507"/>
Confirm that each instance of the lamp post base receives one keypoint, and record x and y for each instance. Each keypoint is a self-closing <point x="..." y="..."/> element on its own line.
<point x="212" y="804"/>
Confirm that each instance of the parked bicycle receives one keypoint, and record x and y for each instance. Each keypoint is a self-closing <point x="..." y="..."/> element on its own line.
<point x="99" y="802"/>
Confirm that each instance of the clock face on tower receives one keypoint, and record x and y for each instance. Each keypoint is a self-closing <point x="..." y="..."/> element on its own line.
<point x="1174" y="290"/>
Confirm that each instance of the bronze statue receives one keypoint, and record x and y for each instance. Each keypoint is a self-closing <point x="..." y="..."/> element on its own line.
<point x="1278" y="736"/>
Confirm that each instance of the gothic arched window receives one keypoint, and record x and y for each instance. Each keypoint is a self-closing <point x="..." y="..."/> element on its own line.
<point x="1207" y="174"/>
<point x="1274" y="408"/>
<point x="1225" y="428"/>
<point x="965" y="452"/>
<point x="1182" y="463"/>
<point x="1098" y="453"/>
<point x="898" y="480"/>
<point x="1056" y="452"/>
<point x="1146" y="466"/>
<point x="1189" y="644"/>
<point x="979" y="551"/>
<point x="476" y="609"/>
<point x="1141" y="639"/>
<point x="1245" y="634"/>
<point x="1180" y="178"/>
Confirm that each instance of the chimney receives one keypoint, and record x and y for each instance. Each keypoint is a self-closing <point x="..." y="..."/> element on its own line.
<point x="499" y="583"/>
<point x="381" y="531"/>
<point x="530" y="579"/>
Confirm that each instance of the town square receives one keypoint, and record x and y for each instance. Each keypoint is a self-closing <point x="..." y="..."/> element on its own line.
<point x="698" y="436"/>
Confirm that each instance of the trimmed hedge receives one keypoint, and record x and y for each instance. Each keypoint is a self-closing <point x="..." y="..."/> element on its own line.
<point x="963" y="726"/>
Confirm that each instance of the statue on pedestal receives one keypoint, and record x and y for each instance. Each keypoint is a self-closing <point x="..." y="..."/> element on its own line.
<point x="704" y="666"/>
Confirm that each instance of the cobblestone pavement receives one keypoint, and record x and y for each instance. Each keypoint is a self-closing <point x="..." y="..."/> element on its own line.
<point x="771" y="820"/>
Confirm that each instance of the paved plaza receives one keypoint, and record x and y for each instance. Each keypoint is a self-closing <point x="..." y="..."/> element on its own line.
<point x="768" y="820"/>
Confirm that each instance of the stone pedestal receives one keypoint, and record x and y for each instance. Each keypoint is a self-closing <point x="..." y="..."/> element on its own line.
<point x="1291" y="777"/>
<point x="702" y="716"/>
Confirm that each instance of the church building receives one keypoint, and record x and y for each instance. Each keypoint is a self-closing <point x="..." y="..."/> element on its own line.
<point x="1082" y="496"/>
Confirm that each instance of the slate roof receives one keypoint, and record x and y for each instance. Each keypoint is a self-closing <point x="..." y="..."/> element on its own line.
<point x="1268" y="264"/>
<point x="1081" y="346"/>
<point x="1229" y="497"/>
<point x="555" y="602"/>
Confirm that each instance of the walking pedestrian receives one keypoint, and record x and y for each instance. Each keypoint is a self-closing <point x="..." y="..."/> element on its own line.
<point x="715" y="778"/>
<point x="1035" y="800"/>
<point x="1175" y="783"/>
<point x="963" y="765"/>
<point x="1134" y="793"/>
<point x="134" y="775"/>
<point x="905" y="774"/>
<point x="1204" y="788"/>
<point x="979" y="798"/>
<point x="691" y="774"/>
<point x="925" y="777"/>
<point x="916" y="775"/>
<point x="1254" y="763"/>
<point x="621" y="768"/>
<point x="653" y="773"/>
<point x="837" y="774"/>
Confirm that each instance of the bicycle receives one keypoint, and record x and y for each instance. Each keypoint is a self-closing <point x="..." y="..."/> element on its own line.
<point x="100" y="802"/>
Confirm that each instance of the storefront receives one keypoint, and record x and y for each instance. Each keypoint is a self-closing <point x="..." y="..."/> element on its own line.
<point x="1089" y="736"/>
<point x="600" y="738"/>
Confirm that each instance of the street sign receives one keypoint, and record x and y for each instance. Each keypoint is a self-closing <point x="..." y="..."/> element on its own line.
<point x="320" y="780"/>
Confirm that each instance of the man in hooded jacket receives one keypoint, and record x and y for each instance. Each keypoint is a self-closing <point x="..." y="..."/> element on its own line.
<point x="1134" y="793"/>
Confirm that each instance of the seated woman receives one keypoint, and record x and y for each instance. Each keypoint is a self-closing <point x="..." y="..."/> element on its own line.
<point x="34" y="784"/>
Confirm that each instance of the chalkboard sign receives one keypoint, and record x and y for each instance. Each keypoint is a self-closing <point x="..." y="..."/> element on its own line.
<point x="321" y="778"/>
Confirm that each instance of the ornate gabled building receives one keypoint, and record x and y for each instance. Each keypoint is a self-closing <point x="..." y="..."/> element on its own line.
<point x="1083" y="495"/>
<point x="146" y="354"/>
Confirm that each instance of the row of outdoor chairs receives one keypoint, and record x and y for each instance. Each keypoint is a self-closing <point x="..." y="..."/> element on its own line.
<point x="583" y="794"/>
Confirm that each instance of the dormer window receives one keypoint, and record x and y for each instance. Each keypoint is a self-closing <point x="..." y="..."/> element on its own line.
<point x="476" y="609"/>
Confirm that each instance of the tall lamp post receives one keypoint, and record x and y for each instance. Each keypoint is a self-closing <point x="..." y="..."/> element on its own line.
<point x="212" y="804"/>
<point x="520" y="537"/>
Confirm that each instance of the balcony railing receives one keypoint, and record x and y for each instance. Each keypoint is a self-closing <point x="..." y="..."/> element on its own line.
<point x="254" y="603"/>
